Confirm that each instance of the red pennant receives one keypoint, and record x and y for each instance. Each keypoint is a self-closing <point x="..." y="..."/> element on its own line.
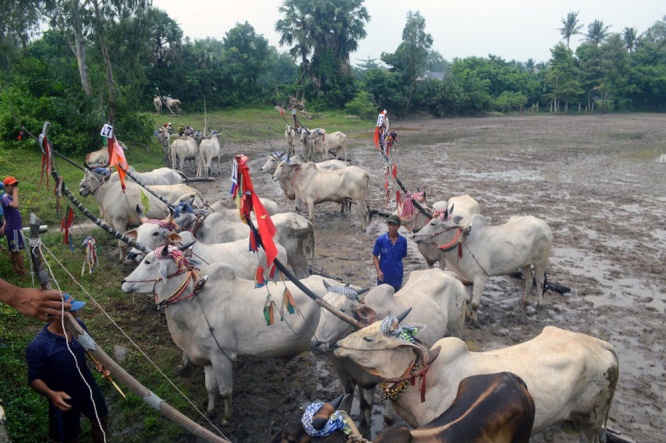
<point x="66" y="224"/>
<point x="395" y="171"/>
<point x="259" y="279"/>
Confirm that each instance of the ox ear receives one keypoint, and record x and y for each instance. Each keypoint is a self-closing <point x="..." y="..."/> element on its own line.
<point x="131" y="234"/>
<point x="457" y="219"/>
<point x="174" y="238"/>
<point x="364" y="314"/>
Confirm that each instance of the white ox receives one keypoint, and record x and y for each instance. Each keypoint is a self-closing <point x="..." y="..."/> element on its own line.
<point x="164" y="138"/>
<point x="183" y="149"/>
<point x="571" y="376"/>
<point x="173" y="103"/>
<point x="463" y="206"/>
<point x="293" y="232"/>
<point x="307" y="145"/>
<point x="232" y="214"/>
<point x="314" y="186"/>
<point x="157" y="102"/>
<point x="438" y="300"/>
<point x="290" y="132"/>
<point x="118" y="209"/>
<point x="225" y="319"/>
<point x="521" y="243"/>
<point x="209" y="149"/>
<point x="329" y="143"/>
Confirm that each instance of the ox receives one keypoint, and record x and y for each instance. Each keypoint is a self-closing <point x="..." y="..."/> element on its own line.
<point x="232" y="214"/>
<point x="172" y="103"/>
<point x="314" y="186"/>
<point x="571" y="376"/>
<point x="209" y="149"/>
<point x="163" y="137"/>
<point x="183" y="149"/>
<point x="477" y="252"/>
<point x="329" y="143"/>
<point x="413" y="220"/>
<point x="118" y="208"/>
<point x="438" y="298"/>
<point x="101" y="156"/>
<point x="307" y="145"/>
<point x="293" y="232"/>
<point x="157" y="102"/>
<point x="290" y="132"/>
<point x="488" y="408"/>
<point x="224" y="318"/>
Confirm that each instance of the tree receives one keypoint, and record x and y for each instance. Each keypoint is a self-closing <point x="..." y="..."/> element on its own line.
<point x="630" y="38"/>
<point x="19" y="20"/>
<point x="323" y="34"/>
<point x="570" y="26"/>
<point x="562" y="78"/>
<point x="597" y="32"/>
<point x="245" y="56"/>
<point x="410" y="59"/>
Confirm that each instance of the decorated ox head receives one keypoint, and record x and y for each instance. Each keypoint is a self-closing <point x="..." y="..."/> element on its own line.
<point x="92" y="179"/>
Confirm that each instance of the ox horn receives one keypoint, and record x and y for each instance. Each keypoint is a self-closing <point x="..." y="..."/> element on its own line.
<point x="165" y="251"/>
<point x="362" y="291"/>
<point x="182" y="248"/>
<point x="88" y="167"/>
<point x="326" y="285"/>
<point x="142" y="216"/>
<point x="402" y="316"/>
<point x="337" y="402"/>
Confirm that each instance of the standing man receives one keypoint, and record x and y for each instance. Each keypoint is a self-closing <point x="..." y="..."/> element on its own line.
<point x="387" y="255"/>
<point x="54" y="373"/>
<point x="11" y="226"/>
<point x="380" y="130"/>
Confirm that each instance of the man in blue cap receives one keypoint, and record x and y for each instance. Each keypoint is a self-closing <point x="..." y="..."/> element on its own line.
<point x="387" y="255"/>
<point x="57" y="375"/>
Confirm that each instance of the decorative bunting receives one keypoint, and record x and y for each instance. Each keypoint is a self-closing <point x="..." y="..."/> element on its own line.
<point x="66" y="224"/>
<point x="117" y="159"/>
<point x="47" y="161"/>
<point x="259" y="279"/>
<point x="91" y="255"/>
<point x="288" y="301"/>
<point x="269" y="308"/>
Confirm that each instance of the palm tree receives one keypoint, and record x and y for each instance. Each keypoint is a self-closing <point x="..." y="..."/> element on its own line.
<point x="570" y="26"/>
<point x="630" y="37"/>
<point x="597" y="32"/>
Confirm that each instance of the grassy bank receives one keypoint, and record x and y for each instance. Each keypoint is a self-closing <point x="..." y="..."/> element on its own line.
<point x="110" y="313"/>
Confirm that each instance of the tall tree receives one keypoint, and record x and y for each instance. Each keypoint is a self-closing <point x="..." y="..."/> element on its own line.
<point x="322" y="34"/>
<point x="570" y="26"/>
<point x="410" y="59"/>
<point x="630" y="38"/>
<point x="597" y="32"/>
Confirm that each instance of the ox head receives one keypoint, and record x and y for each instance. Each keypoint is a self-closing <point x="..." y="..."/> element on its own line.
<point x="439" y="227"/>
<point x="93" y="179"/>
<point x="304" y="134"/>
<point x="331" y="328"/>
<point x="152" y="233"/>
<point x="285" y="170"/>
<point x="273" y="159"/>
<point x="391" y="352"/>
<point x="153" y="275"/>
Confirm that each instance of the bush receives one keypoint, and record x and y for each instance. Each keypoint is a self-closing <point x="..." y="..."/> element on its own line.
<point x="361" y="105"/>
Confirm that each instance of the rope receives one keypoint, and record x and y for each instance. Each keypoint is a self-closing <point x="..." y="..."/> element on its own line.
<point x="108" y="316"/>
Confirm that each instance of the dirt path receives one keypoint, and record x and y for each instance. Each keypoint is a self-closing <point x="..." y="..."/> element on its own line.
<point x="593" y="179"/>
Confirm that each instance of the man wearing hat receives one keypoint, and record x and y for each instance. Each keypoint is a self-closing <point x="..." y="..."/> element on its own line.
<point x="57" y="375"/>
<point x="12" y="224"/>
<point x="390" y="248"/>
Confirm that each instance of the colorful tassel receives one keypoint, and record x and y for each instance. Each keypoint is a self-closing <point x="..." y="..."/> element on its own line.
<point x="288" y="301"/>
<point x="259" y="280"/>
<point x="66" y="224"/>
<point x="269" y="308"/>
<point x="394" y="171"/>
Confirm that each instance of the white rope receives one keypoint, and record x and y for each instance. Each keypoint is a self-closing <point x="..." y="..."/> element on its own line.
<point x="35" y="245"/>
<point x="133" y="343"/>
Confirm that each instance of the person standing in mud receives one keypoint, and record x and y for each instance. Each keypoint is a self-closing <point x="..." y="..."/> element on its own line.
<point x="387" y="255"/>
<point x="381" y="130"/>
<point x="12" y="224"/>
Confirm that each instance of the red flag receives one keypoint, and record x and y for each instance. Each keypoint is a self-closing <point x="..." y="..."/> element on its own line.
<point x="265" y="225"/>
<point x="117" y="159"/>
<point x="66" y="224"/>
<point x="377" y="137"/>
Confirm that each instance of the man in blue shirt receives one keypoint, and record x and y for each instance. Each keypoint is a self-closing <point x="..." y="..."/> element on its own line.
<point x="387" y="255"/>
<point x="54" y="373"/>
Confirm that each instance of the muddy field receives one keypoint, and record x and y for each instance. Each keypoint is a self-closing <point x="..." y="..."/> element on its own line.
<point x="595" y="180"/>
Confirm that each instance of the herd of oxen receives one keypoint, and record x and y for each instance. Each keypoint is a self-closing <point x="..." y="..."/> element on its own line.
<point x="195" y="261"/>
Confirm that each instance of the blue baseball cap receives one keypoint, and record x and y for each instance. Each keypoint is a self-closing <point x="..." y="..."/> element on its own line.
<point x="76" y="305"/>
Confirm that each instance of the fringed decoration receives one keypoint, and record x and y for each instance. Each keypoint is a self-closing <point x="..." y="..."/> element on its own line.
<point x="117" y="159"/>
<point x="288" y="301"/>
<point x="269" y="311"/>
<point x="272" y="275"/>
<point x="394" y="171"/>
<point x="259" y="279"/>
<point x="66" y="224"/>
<point x="399" y="203"/>
<point x="253" y="242"/>
<point x="91" y="255"/>
<point x="58" y="193"/>
<point x="47" y="161"/>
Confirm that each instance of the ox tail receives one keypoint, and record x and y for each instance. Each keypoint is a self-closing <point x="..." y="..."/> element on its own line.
<point x="309" y="246"/>
<point x="612" y="375"/>
<point x="187" y="180"/>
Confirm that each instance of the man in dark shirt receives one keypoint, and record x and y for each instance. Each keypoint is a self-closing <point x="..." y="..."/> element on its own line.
<point x="57" y="375"/>
<point x="387" y="255"/>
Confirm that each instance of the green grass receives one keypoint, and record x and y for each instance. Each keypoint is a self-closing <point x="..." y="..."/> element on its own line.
<point x="130" y="420"/>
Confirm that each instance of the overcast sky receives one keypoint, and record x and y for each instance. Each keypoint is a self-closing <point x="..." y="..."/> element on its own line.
<point x="512" y="29"/>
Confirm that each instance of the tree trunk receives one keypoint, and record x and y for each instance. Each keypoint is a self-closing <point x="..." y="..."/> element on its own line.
<point x="107" y="63"/>
<point x="80" y="50"/>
